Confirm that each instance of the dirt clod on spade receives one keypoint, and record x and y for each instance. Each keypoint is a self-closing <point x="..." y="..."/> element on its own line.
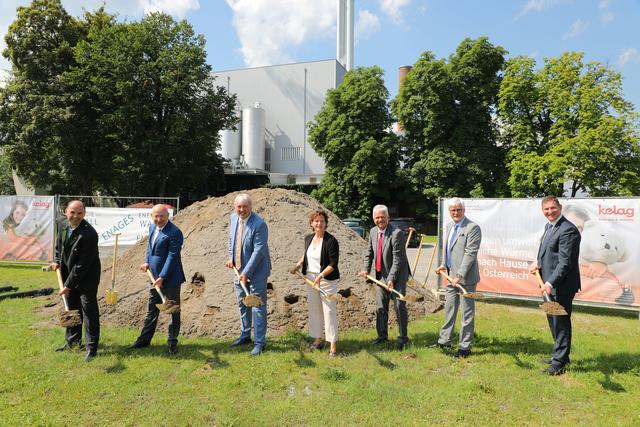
<point x="210" y="308"/>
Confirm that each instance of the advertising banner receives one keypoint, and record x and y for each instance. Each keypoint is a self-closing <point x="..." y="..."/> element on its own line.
<point x="27" y="228"/>
<point x="132" y="224"/>
<point x="511" y="233"/>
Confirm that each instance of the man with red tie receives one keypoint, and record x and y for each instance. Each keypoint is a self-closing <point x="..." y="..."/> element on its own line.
<point x="386" y="259"/>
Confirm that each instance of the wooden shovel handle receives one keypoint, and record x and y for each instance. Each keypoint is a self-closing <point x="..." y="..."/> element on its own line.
<point x="157" y="288"/>
<point x="415" y="262"/>
<point x="113" y="263"/>
<point x="61" y="286"/>
<point x="446" y="276"/>
<point x="242" y="283"/>
<point x="311" y="283"/>
<point x="406" y="244"/>
<point x="384" y="286"/>
<point x="545" y="296"/>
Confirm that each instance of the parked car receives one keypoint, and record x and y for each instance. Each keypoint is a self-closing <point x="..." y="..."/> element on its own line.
<point x="406" y="224"/>
<point x="357" y="225"/>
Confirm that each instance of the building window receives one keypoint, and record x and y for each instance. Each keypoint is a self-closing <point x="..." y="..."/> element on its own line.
<point x="290" y="153"/>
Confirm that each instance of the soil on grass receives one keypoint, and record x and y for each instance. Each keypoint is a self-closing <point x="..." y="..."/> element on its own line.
<point x="208" y="303"/>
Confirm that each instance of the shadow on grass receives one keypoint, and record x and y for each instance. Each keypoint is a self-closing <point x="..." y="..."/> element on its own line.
<point x="609" y="364"/>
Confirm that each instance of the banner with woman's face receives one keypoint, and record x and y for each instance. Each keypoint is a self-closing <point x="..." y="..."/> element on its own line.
<point x="28" y="224"/>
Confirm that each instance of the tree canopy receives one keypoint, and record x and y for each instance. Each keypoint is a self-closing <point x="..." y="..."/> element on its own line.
<point x="122" y="108"/>
<point x="568" y="123"/>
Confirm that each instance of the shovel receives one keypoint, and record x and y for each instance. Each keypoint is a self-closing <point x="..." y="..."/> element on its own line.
<point x="167" y="306"/>
<point x="412" y="281"/>
<point x="433" y="253"/>
<point x="465" y="293"/>
<point x="407" y="298"/>
<point x="328" y="296"/>
<point x="552" y="308"/>
<point x="68" y="318"/>
<point x="250" y="300"/>
<point x="406" y="244"/>
<point x="111" y="296"/>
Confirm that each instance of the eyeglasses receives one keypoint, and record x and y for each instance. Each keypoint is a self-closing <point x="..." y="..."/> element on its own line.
<point x="456" y="209"/>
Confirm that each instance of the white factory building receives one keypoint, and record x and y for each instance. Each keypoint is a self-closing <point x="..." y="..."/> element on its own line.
<point x="276" y="104"/>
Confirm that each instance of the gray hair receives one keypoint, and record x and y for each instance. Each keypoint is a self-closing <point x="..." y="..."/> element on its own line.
<point x="454" y="201"/>
<point x="381" y="208"/>
<point x="242" y="197"/>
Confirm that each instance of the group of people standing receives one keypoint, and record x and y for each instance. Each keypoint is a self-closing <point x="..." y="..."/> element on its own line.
<point x="385" y="260"/>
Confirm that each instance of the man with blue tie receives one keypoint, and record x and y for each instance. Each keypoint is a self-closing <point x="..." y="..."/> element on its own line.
<point x="163" y="259"/>
<point x="249" y="253"/>
<point x="386" y="258"/>
<point x="462" y="243"/>
<point x="558" y="264"/>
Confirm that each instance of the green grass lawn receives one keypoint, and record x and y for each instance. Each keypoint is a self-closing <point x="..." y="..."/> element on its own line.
<point x="207" y="383"/>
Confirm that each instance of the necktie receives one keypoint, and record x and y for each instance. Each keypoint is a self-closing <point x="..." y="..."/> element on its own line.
<point x="452" y="239"/>
<point x="547" y="232"/>
<point x="379" y="253"/>
<point x="238" y="249"/>
<point x="69" y="233"/>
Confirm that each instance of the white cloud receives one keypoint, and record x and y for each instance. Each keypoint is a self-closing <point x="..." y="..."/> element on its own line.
<point x="532" y="5"/>
<point x="603" y="4"/>
<point x="607" y="17"/>
<point x="366" y="25"/>
<point x="178" y="8"/>
<point x="267" y="27"/>
<point x="577" y="28"/>
<point x="393" y="8"/>
<point x="627" y="55"/>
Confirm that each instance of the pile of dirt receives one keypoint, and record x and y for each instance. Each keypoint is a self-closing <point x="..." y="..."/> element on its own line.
<point x="209" y="305"/>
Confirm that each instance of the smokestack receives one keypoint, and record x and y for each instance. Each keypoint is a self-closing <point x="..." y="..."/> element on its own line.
<point x="344" y="46"/>
<point x="402" y="74"/>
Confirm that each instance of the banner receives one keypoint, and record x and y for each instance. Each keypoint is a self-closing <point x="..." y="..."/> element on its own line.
<point x="132" y="224"/>
<point x="511" y="233"/>
<point x="27" y="228"/>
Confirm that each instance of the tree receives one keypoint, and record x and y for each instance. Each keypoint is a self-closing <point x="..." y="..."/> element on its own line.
<point x="350" y="132"/>
<point x="6" y="179"/>
<point x="133" y="109"/>
<point x="568" y="123"/>
<point x="446" y="111"/>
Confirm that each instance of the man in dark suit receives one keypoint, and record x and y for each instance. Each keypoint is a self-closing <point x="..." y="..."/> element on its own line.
<point x="461" y="262"/>
<point x="77" y="258"/>
<point x="386" y="259"/>
<point x="558" y="265"/>
<point x="248" y="251"/>
<point x="163" y="259"/>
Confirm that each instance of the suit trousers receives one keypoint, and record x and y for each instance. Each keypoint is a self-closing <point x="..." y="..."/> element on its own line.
<point x="560" y="327"/>
<point x="254" y="315"/>
<point x="86" y="301"/>
<point x="452" y="300"/>
<point x="382" y="312"/>
<point x="150" y="322"/>
<point x="321" y="311"/>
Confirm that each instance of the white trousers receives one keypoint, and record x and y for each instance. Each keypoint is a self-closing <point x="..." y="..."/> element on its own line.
<point x="321" y="311"/>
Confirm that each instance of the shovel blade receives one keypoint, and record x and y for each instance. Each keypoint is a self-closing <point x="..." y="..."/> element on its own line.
<point x="169" y="307"/>
<point x="553" y="308"/>
<point x="69" y="319"/>
<point x="252" y="300"/>
<point x="111" y="297"/>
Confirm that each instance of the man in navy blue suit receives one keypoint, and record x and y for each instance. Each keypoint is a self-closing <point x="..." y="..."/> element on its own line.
<point x="163" y="259"/>
<point x="249" y="253"/>
<point x="557" y="262"/>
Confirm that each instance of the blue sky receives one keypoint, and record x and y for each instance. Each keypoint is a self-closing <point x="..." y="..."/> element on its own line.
<point x="392" y="33"/>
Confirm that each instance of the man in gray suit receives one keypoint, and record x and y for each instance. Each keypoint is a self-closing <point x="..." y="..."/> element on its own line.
<point x="386" y="259"/>
<point x="461" y="263"/>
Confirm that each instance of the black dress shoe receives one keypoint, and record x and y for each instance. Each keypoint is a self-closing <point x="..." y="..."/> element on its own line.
<point x="138" y="344"/>
<point x="401" y="345"/>
<point x="380" y="341"/>
<point x="172" y="349"/>
<point x="555" y="370"/>
<point x="89" y="356"/>
<point x="66" y="346"/>
<point x="461" y="353"/>
<point x="240" y="341"/>
<point x="441" y="346"/>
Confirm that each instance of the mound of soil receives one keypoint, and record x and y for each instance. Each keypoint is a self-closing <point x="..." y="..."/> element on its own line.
<point x="209" y="305"/>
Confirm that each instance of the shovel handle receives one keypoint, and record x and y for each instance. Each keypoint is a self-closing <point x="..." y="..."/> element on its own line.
<point x="384" y="286"/>
<point x="242" y="283"/>
<point x="545" y="296"/>
<point x="433" y="253"/>
<point x="411" y="230"/>
<point x="113" y="263"/>
<point x="157" y="288"/>
<point x="61" y="286"/>
<point x="312" y="284"/>
<point x="446" y="276"/>
<point x="415" y="262"/>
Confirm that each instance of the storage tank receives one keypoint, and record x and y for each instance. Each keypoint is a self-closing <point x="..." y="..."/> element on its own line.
<point x="253" y="143"/>
<point x="230" y="147"/>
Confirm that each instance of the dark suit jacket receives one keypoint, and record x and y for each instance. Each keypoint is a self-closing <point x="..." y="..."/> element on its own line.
<point x="78" y="256"/>
<point x="329" y="254"/>
<point x="395" y="266"/>
<point x="558" y="257"/>
<point x="163" y="256"/>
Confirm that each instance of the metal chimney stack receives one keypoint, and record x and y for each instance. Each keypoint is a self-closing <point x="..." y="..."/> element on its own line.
<point x="344" y="48"/>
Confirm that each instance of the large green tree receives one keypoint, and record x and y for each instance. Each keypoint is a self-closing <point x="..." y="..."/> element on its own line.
<point x="351" y="133"/>
<point x="568" y="125"/>
<point x="446" y="109"/>
<point x="128" y="108"/>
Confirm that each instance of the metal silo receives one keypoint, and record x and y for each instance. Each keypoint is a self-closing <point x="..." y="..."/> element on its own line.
<point x="253" y="143"/>
<point x="230" y="148"/>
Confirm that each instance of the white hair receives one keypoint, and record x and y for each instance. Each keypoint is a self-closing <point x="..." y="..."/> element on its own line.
<point x="381" y="208"/>
<point x="454" y="201"/>
<point x="242" y="197"/>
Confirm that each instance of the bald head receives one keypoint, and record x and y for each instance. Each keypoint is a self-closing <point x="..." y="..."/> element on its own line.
<point x="160" y="215"/>
<point x="74" y="213"/>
